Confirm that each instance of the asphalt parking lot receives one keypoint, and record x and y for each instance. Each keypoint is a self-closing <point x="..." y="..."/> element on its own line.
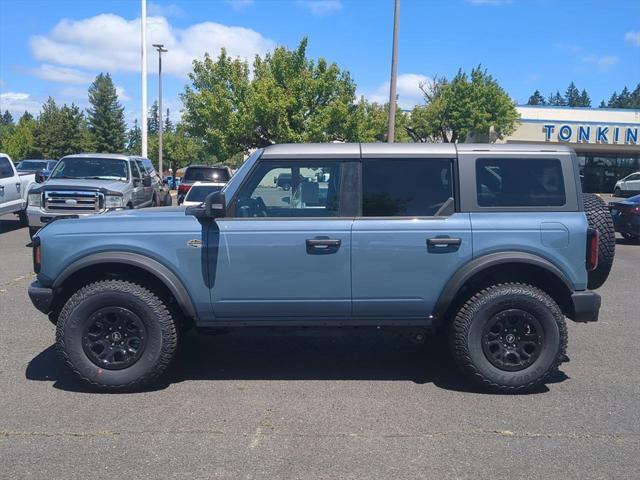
<point x="319" y="403"/>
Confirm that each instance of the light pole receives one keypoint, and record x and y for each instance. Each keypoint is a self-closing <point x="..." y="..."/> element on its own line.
<point x="394" y="74"/>
<point x="161" y="50"/>
<point x="143" y="60"/>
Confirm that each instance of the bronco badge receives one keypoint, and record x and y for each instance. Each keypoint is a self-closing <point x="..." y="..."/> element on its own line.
<point x="195" y="243"/>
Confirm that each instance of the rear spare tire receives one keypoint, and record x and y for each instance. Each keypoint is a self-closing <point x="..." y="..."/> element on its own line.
<point x="599" y="217"/>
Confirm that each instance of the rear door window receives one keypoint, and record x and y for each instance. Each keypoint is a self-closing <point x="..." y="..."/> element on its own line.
<point x="5" y="168"/>
<point x="409" y="187"/>
<point x="206" y="174"/>
<point x="519" y="182"/>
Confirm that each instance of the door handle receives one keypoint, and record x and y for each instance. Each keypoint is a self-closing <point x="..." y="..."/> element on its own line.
<point x="443" y="244"/>
<point x="322" y="245"/>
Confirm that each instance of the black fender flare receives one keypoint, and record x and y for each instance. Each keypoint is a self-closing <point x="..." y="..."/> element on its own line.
<point x="155" y="268"/>
<point x="477" y="265"/>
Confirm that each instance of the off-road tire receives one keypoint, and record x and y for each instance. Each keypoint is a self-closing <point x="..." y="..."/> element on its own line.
<point x="161" y="334"/>
<point x="599" y="217"/>
<point x="466" y="336"/>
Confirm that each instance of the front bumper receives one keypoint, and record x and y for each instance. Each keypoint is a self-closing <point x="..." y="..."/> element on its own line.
<point x="586" y="306"/>
<point x="41" y="297"/>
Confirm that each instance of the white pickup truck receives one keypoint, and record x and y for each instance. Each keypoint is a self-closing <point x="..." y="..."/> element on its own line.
<point x="14" y="188"/>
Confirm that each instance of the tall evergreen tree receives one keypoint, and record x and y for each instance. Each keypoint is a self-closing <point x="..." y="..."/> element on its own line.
<point x="168" y="124"/>
<point x="602" y="104"/>
<point x="106" y="116"/>
<point x="134" y="139"/>
<point x="556" y="100"/>
<point x="537" y="99"/>
<point x="635" y="98"/>
<point x="6" y="119"/>
<point x="585" y="100"/>
<point x="572" y="96"/>
<point x="153" y="121"/>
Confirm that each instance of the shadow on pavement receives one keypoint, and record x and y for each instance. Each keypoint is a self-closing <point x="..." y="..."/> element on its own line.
<point x="623" y="241"/>
<point x="283" y="354"/>
<point x="8" y="224"/>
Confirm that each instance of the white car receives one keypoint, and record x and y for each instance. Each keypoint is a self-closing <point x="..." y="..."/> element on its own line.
<point x="14" y="187"/>
<point x="627" y="186"/>
<point x="200" y="190"/>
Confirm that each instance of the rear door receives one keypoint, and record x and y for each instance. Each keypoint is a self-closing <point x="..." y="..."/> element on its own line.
<point x="409" y="240"/>
<point x="139" y="198"/>
<point x="284" y="254"/>
<point x="10" y="197"/>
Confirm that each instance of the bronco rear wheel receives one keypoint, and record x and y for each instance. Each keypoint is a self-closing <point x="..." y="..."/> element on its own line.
<point x="599" y="217"/>
<point x="509" y="337"/>
<point x="116" y="335"/>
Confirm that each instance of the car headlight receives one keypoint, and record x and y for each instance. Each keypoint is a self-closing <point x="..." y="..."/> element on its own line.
<point x="35" y="199"/>
<point x="113" y="201"/>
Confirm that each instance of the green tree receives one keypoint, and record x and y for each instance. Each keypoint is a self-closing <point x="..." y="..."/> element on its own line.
<point x="168" y="124"/>
<point x="6" y="118"/>
<point x="153" y="119"/>
<point x="286" y="98"/>
<point x="536" y="99"/>
<point x="585" y="99"/>
<point x="106" y="116"/>
<point x="134" y="139"/>
<point x="19" y="143"/>
<point x="572" y="96"/>
<point x="556" y="100"/>
<point x="469" y="105"/>
<point x="60" y="131"/>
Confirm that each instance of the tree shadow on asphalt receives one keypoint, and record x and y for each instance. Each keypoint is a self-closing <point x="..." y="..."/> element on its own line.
<point x="310" y="354"/>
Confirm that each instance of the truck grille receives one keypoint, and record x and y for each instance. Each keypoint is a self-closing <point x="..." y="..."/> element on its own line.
<point x="77" y="202"/>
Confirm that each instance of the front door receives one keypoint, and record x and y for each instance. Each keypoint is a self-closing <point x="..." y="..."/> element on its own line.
<point x="285" y="253"/>
<point x="409" y="240"/>
<point x="10" y="195"/>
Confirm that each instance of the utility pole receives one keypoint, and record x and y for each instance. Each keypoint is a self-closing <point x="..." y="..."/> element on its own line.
<point x="161" y="50"/>
<point x="394" y="75"/>
<point x="143" y="49"/>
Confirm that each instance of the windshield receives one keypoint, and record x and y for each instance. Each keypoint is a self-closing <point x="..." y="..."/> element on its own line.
<point x="206" y="174"/>
<point x="92" y="168"/>
<point x="200" y="192"/>
<point x="32" y="165"/>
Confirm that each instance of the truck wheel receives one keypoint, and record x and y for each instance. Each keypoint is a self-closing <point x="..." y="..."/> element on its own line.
<point x="599" y="217"/>
<point x="22" y="217"/>
<point x="116" y="335"/>
<point x="509" y="338"/>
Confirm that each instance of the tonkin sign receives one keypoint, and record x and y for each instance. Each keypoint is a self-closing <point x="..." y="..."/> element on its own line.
<point x="604" y="134"/>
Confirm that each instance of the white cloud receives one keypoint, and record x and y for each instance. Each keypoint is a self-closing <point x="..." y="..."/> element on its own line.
<point x="320" y="8"/>
<point x="407" y="88"/>
<point x="492" y="3"/>
<point x="122" y="94"/>
<point x="603" y="63"/>
<point x="111" y="43"/>
<point x="19" y="102"/>
<point x="633" y="38"/>
<point x="240" y="4"/>
<point x="171" y="10"/>
<point x="62" y="74"/>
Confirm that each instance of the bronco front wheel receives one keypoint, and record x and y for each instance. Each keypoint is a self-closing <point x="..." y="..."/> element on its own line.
<point x="509" y="337"/>
<point x="116" y="335"/>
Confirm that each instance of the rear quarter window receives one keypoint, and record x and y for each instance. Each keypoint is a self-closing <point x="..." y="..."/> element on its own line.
<point x="520" y="182"/>
<point x="206" y="174"/>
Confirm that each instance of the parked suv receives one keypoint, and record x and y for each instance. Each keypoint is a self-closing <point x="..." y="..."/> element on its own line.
<point x="90" y="183"/>
<point x="494" y="244"/>
<point x="202" y="173"/>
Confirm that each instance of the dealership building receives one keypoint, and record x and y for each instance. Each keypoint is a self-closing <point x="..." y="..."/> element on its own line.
<point x="606" y="140"/>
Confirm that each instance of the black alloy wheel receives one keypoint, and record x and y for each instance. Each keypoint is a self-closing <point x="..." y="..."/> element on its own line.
<point x="114" y="338"/>
<point x="512" y="340"/>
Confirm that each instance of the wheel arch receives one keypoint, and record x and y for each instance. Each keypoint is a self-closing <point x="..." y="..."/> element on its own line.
<point x="504" y="267"/>
<point x="125" y="265"/>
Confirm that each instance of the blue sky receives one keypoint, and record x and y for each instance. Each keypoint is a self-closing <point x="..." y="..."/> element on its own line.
<point x="57" y="47"/>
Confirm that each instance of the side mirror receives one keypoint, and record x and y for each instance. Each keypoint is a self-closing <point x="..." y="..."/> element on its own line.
<point x="146" y="181"/>
<point x="213" y="207"/>
<point x="40" y="177"/>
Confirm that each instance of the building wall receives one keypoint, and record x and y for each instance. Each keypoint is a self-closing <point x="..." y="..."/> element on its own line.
<point x="607" y="141"/>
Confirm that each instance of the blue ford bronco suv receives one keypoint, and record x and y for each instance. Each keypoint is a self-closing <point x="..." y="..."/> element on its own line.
<point x="494" y="244"/>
